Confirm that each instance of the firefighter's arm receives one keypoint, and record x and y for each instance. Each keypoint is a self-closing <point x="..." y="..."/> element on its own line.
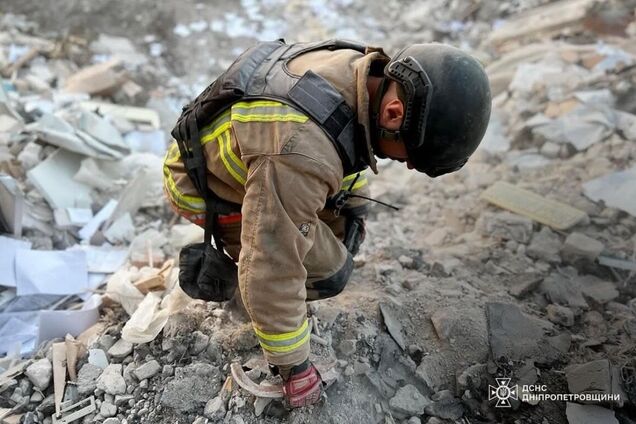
<point x="283" y="195"/>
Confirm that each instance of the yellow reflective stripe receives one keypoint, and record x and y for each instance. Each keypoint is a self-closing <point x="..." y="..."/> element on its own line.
<point x="280" y="349"/>
<point x="352" y="176"/>
<point x="222" y="118"/>
<point x="217" y="132"/>
<point x="257" y="103"/>
<point x="362" y="181"/>
<point x="281" y="336"/>
<point x="173" y="155"/>
<point x="239" y="173"/>
<point x="183" y="201"/>
<point x="270" y="118"/>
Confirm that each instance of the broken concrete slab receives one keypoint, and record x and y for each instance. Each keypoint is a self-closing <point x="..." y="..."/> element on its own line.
<point x="524" y="202"/>
<point x="100" y="79"/>
<point x="505" y="226"/>
<point x="136" y="115"/>
<point x="578" y="245"/>
<point x="560" y="315"/>
<point x="616" y="190"/>
<point x="392" y="322"/>
<point x="545" y="245"/>
<point x="524" y="284"/>
<point x="54" y="179"/>
<point x="543" y="21"/>
<point x="563" y="290"/>
<point x="515" y="336"/>
<point x="446" y="406"/>
<point x="408" y="401"/>
<point x="589" y="414"/>
<point x="596" y="290"/>
<point x="193" y="386"/>
<point x="581" y="127"/>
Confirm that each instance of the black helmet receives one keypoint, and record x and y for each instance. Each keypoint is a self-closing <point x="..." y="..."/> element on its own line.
<point x="447" y="106"/>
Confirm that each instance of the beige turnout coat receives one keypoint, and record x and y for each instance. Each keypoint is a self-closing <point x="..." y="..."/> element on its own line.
<point x="281" y="167"/>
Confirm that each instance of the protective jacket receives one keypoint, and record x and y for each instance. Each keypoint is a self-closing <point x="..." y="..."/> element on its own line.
<point x="282" y="166"/>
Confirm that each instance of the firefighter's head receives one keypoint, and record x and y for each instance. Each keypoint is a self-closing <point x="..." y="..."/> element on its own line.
<point x="432" y="109"/>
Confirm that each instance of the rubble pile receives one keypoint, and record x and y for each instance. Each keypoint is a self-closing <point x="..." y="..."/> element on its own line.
<point x="510" y="279"/>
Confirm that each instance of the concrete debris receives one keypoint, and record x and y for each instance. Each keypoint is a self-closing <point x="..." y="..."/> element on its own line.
<point x="589" y="414"/>
<point x="192" y="387"/>
<point x="579" y="245"/>
<point x="111" y="380"/>
<point x="40" y="373"/>
<point x="616" y="190"/>
<point x="408" y="401"/>
<point x="549" y="212"/>
<point x="147" y="370"/>
<point x="515" y="336"/>
<point x="87" y="379"/>
<point x="447" y="294"/>
<point x="545" y="245"/>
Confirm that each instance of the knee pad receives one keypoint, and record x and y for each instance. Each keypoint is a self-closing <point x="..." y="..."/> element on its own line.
<point x="334" y="284"/>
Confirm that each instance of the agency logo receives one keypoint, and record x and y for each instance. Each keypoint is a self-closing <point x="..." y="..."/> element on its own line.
<point x="503" y="392"/>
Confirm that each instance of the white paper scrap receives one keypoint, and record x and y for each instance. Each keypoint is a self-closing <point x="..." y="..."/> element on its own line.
<point x="8" y="249"/>
<point x="55" y="324"/>
<point x="102" y="259"/>
<point x="89" y="229"/>
<point x="51" y="272"/>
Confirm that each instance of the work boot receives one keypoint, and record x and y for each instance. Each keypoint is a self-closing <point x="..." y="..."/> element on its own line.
<point x="302" y="385"/>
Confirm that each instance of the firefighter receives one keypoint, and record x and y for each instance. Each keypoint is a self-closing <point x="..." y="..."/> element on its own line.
<point x="287" y="134"/>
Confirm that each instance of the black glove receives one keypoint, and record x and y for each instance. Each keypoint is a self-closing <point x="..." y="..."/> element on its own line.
<point x="354" y="228"/>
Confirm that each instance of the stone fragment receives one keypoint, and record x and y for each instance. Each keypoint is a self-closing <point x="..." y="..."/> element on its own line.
<point x="111" y="381"/>
<point x="545" y="245"/>
<point x="147" y="370"/>
<point x="40" y="373"/>
<point x="560" y="315"/>
<point x="445" y="406"/>
<point x="120" y="349"/>
<point x="414" y="420"/>
<point x="87" y="379"/>
<point x="199" y="342"/>
<point x="595" y="377"/>
<point x="562" y="290"/>
<point x="408" y="401"/>
<point x="579" y="245"/>
<point x="215" y="409"/>
<point x="472" y="377"/>
<point x="525" y="284"/>
<point x="107" y="409"/>
<point x="596" y="290"/>
<point x="200" y="420"/>
<point x="347" y="347"/>
<point x="98" y="358"/>
<point x="515" y="336"/>
<point x="505" y="226"/>
<point x="435" y="371"/>
<point x="192" y="387"/>
<point x="112" y="421"/>
<point x="589" y="414"/>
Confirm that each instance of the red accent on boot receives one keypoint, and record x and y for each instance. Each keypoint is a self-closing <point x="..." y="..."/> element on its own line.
<point x="303" y="389"/>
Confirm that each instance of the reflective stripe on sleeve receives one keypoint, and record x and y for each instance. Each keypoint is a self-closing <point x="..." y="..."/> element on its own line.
<point x="361" y="181"/>
<point x="233" y="164"/>
<point x="182" y="201"/>
<point x="284" y="342"/>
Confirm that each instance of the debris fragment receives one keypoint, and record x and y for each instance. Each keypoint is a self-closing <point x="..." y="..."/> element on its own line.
<point x="549" y="212"/>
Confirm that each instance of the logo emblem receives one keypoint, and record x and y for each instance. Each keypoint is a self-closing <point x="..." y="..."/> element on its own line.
<point x="304" y="229"/>
<point x="503" y="392"/>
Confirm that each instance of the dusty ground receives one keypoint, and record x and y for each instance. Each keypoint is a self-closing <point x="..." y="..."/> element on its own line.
<point x="435" y="266"/>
